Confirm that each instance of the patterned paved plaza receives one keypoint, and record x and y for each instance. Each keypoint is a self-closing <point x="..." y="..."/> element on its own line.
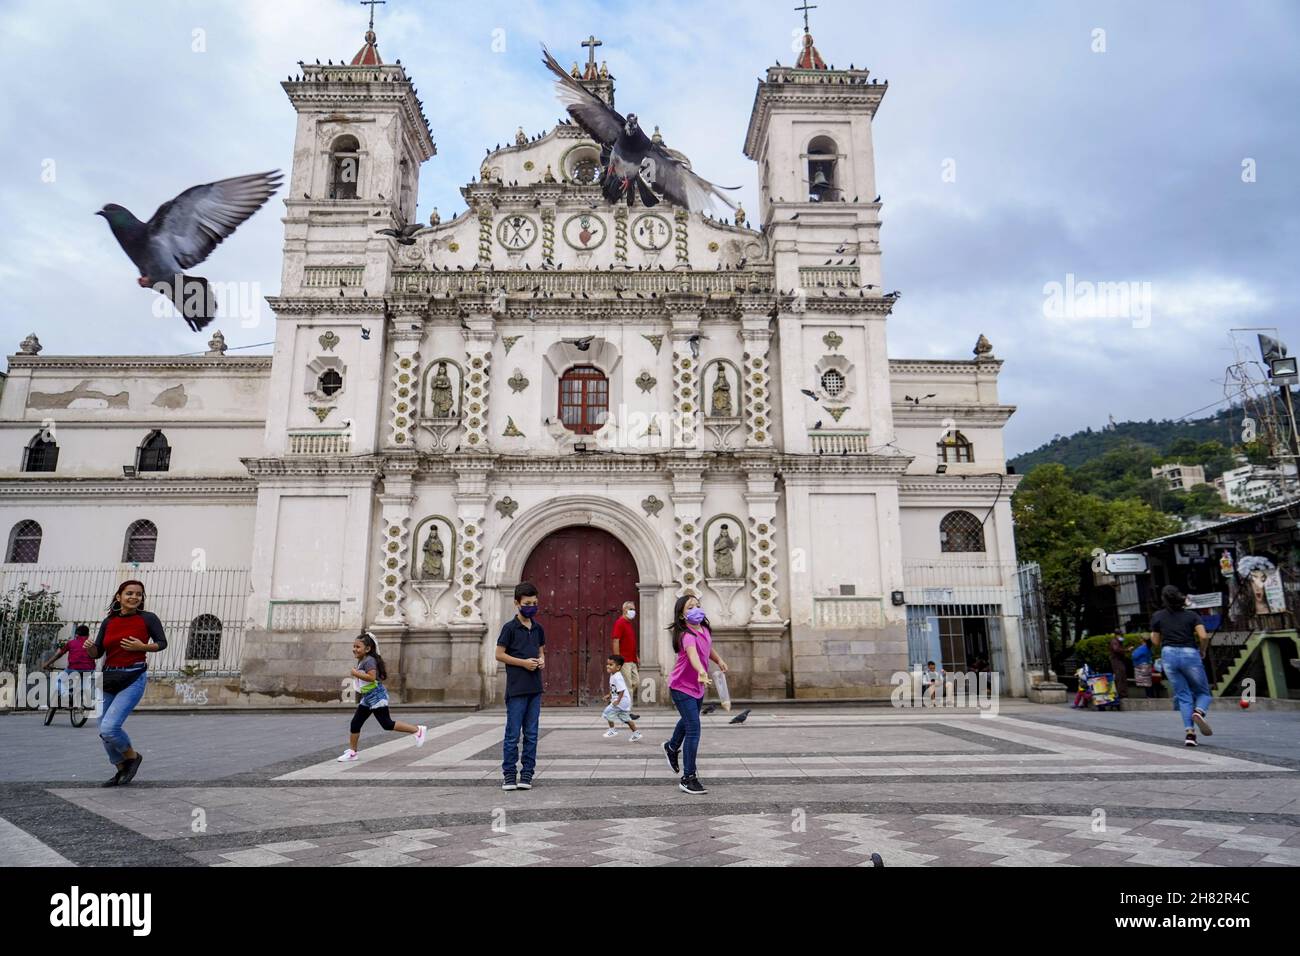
<point x="790" y="787"/>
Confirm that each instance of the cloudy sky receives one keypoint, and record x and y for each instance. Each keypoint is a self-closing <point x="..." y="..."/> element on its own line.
<point x="1153" y="143"/>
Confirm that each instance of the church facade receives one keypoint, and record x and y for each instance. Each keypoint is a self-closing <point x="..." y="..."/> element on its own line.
<point x="616" y="403"/>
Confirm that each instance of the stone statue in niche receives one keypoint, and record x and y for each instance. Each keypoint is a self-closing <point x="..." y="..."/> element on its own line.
<point x="441" y="393"/>
<point x="722" y="407"/>
<point x="433" y="569"/>
<point x="723" y="564"/>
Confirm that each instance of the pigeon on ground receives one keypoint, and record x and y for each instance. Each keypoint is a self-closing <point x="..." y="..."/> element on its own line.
<point x="876" y="861"/>
<point x="404" y="236"/>
<point x="739" y="718"/>
<point x="183" y="232"/>
<point x="708" y="710"/>
<point x="629" y="158"/>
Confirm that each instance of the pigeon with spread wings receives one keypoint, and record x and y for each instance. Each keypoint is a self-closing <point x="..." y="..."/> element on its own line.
<point x="183" y="232"/>
<point x="629" y="158"/>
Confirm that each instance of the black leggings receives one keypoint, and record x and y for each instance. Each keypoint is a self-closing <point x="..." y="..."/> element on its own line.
<point x="381" y="715"/>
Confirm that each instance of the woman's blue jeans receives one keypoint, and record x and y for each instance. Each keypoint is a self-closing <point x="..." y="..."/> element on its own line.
<point x="686" y="735"/>
<point x="1186" y="672"/>
<point x="117" y="708"/>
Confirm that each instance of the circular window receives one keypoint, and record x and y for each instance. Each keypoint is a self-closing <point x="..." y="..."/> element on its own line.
<point x="832" y="383"/>
<point x="329" y="382"/>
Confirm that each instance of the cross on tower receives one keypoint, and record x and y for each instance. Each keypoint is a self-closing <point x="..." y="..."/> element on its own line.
<point x="805" y="8"/>
<point x="591" y="43"/>
<point x="371" y="5"/>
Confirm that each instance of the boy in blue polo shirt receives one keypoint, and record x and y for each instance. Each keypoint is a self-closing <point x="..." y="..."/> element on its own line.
<point x="521" y="647"/>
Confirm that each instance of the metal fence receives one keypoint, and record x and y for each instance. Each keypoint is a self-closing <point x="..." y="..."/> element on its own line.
<point x="957" y="611"/>
<point x="1033" y="618"/>
<point x="202" y="612"/>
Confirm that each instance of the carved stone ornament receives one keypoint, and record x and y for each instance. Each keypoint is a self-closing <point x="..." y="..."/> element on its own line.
<point x="321" y="413"/>
<point x="983" y="348"/>
<point x="655" y="340"/>
<point x="833" y="340"/>
<point x="31" y="345"/>
<point x="328" y="341"/>
<point x="652" y="506"/>
<point x="507" y="507"/>
<point x="512" y="431"/>
<point x="645" y="381"/>
<point x="837" y="412"/>
<point x="517" y="382"/>
<point x="509" y="342"/>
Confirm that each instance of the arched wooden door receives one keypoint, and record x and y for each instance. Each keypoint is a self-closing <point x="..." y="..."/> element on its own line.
<point x="583" y="576"/>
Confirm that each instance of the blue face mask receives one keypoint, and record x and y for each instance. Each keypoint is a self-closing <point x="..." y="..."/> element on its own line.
<point x="528" y="610"/>
<point x="695" y="615"/>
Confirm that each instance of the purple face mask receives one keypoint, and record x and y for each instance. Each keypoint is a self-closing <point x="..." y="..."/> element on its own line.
<point x="528" y="610"/>
<point x="695" y="615"/>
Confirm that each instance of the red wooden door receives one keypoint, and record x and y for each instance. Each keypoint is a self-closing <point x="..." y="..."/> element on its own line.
<point x="583" y="576"/>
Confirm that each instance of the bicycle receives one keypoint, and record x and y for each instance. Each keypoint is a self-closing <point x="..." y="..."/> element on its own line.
<point x="77" y="716"/>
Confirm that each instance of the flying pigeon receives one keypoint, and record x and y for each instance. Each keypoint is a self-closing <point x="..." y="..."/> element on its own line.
<point x="365" y="334"/>
<point x="581" y="344"/>
<point x="629" y="158"/>
<point x="183" y="232"/>
<point x="810" y="393"/>
<point x="404" y="236"/>
<point x="694" y="342"/>
<point x="739" y="718"/>
<point x="817" y="425"/>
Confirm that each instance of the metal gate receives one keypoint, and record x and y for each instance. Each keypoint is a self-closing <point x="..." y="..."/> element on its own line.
<point x="957" y="609"/>
<point x="1033" y="618"/>
<point x="202" y="612"/>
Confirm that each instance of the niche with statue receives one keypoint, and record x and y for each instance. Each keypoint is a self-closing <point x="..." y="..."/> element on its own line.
<point x="721" y="400"/>
<point x="432" y="561"/>
<point x="725" y="558"/>
<point x="440" y="400"/>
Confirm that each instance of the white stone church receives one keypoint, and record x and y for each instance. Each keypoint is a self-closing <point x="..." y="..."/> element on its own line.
<point x="615" y="403"/>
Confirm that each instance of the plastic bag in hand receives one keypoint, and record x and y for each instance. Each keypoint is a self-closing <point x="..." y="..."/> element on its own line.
<point x="724" y="695"/>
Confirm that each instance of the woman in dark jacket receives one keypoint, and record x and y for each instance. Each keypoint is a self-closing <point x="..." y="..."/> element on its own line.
<point x="125" y="636"/>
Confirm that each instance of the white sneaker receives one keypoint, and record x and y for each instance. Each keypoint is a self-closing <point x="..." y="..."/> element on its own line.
<point x="419" y="735"/>
<point x="636" y="735"/>
<point x="611" y="732"/>
<point x="348" y="756"/>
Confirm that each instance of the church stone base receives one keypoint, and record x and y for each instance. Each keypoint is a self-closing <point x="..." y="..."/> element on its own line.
<point x="849" y="663"/>
<point x="438" y="667"/>
<point x="303" y="667"/>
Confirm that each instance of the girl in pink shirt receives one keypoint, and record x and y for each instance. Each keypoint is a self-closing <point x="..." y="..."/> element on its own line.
<point x="693" y="643"/>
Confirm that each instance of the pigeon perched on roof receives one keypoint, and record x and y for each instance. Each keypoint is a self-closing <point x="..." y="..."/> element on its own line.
<point x="629" y="158"/>
<point x="183" y="232"/>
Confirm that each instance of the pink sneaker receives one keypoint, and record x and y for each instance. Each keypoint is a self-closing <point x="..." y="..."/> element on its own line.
<point x="419" y="736"/>
<point x="348" y="756"/>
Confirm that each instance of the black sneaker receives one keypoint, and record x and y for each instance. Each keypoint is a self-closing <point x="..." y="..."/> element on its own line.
<point x="131" y="767"/>
<point x="1190" y="739"/>
<point x="509" y="784"/>
<point x="525" y="783"/>
<point x="671" y="754"/>
<point x="692" y="784"/>
<point x="1198" y="717"/>
<point x="633" y="716"/>
<point x="115" y="781"/>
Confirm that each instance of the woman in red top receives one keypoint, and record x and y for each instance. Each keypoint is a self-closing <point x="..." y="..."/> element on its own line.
<point x="125" y="636"/>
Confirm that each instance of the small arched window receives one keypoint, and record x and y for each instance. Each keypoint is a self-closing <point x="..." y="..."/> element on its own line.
<point x="955" y="447"/>
<point x="41" y="453"/>
<point x="154" y="454"/>
<point x="961" y="531"/>
<point x="345" y="167"/>
<point x="823" y="158"/>
<point x="204" y="642"/>
<point x="141" y="542"/>
<point x="584" y="399"/>
<point x="330" y="381"/>
<point x="24" y="543"/>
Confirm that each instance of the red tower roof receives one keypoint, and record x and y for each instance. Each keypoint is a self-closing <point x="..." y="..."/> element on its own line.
<point x="368" y="55"/>
<point x="809" y="59"/>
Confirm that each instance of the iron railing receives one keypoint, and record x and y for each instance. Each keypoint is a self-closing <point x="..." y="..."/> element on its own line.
<point x="202" y="611"/>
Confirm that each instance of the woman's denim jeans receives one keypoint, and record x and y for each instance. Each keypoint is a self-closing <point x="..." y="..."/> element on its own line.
<point x="117" y="708"/>
<point x="686" y="735"/>
<point x="1186" y="672"/>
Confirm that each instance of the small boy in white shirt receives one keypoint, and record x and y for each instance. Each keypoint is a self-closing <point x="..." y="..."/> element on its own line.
<point x="931" y="684"/>
<point x="620" y="701"/>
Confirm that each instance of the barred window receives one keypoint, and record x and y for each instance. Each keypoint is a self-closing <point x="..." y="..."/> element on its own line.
<point x="41" y="453"/>
<point x="584" y="399"/>
<point x="329" y="382"/>
<point x="955" y="447"/>
<point x="204" y="642"/>
<point x="25" y="543"/>
<point x="961" y="531"/>
<point x="154" y="454"/>
<point x="141" y="542"/>
<point x="833" y="383"/>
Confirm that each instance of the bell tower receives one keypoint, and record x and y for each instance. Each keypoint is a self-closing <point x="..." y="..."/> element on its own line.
<point x="810" y="133"/>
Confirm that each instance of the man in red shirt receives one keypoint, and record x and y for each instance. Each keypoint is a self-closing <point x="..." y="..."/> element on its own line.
<point x="624" y="644"/>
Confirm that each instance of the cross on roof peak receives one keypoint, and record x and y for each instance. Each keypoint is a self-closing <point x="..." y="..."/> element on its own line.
<point x="371" y="5"/>
<point x="805" y="8"/>
<point x="591" y="43"/>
